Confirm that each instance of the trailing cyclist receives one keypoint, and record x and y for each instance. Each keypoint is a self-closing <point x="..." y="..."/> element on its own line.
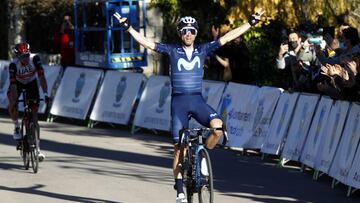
<point x="23" y="70"/>
<point x="187" y="62"/>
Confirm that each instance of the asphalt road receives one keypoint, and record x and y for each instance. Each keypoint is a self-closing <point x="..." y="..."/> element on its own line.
<point x="109" y="164"/>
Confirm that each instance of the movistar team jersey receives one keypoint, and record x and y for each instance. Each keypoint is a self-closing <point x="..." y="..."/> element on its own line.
<point x="186" y="75"/>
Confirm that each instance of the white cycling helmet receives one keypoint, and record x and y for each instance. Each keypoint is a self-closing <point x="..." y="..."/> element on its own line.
<point x="187" y="21"/>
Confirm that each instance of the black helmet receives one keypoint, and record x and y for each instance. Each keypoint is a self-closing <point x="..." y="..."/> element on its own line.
<point x="22" y="49"/>
<point x="186" y="21"/>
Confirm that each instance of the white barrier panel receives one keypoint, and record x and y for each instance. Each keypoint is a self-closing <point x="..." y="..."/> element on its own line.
<point x="4" y="83"/>
<point x="280" y="123"/>
<point x="317" y="129"/>
<point x="75" y="93"/>
<point x="212" y="92"/>
<point x="153" y="111"/>
<point x="236" y="109"/>
<point x="51" y="75"/>
<point x="299" y="126"/>
<point x="353" y="178"/>
<point x="116" y="97"/>
<point x="267" y="98"/>
<point x="349" y="141"/>
<point x="331" y="136"/>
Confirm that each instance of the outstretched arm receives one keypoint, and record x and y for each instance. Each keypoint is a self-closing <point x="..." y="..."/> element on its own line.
<point x="235" y="33"/>
<point x="135" y="34"/>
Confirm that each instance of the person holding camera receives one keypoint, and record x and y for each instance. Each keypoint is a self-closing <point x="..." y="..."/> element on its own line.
<point x="65" y="41"/>
<point x="296" y="59"/>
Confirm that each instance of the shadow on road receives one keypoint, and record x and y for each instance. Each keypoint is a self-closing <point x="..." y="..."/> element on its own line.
<point x="34" y="190"/>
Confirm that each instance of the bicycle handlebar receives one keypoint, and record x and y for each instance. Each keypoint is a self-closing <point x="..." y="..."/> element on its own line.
<point x="31" y="100"/>
<point x="204" y="129"/>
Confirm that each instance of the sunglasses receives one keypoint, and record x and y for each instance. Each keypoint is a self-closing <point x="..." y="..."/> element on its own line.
<point x="184" y="31"/>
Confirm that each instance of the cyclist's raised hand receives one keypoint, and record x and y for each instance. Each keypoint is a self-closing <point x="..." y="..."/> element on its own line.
<point x="122" y="20"/>
<point x="255" y="18"/>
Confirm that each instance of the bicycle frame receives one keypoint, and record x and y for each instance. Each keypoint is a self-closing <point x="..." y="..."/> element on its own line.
<point x="192" y="161"/>
<point x="29" y="141"/>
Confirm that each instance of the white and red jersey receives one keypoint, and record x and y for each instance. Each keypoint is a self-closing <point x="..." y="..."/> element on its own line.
<point x="25" y="73"/>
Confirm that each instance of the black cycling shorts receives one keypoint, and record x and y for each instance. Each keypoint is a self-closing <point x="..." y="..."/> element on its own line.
<point x="31" y="90"/>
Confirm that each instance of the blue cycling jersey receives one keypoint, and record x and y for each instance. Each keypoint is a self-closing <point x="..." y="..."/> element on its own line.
<point x="186" y="75"/>
<point x="186" y="80"/>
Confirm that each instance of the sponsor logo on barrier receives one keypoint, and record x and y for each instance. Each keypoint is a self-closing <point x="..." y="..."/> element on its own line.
<point x="293" y="152"/>
<point x="283" y="113"/>
<point x="113" y="115"/>
<point x="236" y="131"/>
<point x="206" y="93"/>
<point x="225" y="106"/>
<point x="353" y="136"/>
<point x="271" y="146"/>
<point x="325" y="163"/>
<point x="309" y="157"/>
<point x="164" y="93"/>
<point x="120" y="89"/>
<point x="240" y="116"/>
<point x="356" y="177"/>
<point x="318" y="127"/>
<point x="73" y="110"/>
<point x="344" y="172"/>
<point x="333" y="132"/>
<point x="258" y="115"/>
<point x="156" y="121"/>
<point x="79" y="87"/>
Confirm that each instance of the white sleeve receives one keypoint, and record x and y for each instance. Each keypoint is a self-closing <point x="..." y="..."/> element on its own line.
<point x="280" y="63"/>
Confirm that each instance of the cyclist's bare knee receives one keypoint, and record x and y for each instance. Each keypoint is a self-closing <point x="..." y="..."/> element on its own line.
<point x="217" y="123"/>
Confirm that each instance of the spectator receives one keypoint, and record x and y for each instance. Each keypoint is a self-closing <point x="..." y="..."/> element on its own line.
<point x="65" y="40"/>
<point x="235" y="58"/>
<point x="216" y="67"/>
<point x="297" y="60"/>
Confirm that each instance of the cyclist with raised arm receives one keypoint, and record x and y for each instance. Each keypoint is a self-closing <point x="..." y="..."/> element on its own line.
<point x="22" y="72"/>
<point x="186" y="74"/>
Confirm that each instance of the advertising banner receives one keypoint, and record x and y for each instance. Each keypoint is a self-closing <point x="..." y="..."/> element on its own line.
<point x="280" y="122"/>
<point x="317" y="129"/>
<point x="331" y="136"/>
<point x="116" y="97"/>
<point x="353" y="179"/>
<point x="153" y="111"/>
<point x="75" y="93"/>
<point x="349" y="142"/>
<point x="264" y="106"/>
<point x="236" y="110"/>
<point x="299" y="126"/>
<point x="212" y="92"/>
<point x="4" y="83"/>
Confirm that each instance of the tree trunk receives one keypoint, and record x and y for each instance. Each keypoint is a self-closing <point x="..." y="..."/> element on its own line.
<point x="16" y="30"/>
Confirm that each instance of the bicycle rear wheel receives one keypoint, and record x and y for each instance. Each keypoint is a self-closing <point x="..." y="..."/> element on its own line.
<point x="188" y="177"/>
<point x="206" y="190"/>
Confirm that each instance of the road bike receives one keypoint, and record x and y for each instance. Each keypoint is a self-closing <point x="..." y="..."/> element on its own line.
<point x="30" y="132"/>
<point x="196" y="163"/>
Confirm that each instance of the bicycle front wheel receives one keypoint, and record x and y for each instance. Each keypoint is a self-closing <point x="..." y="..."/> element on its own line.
<point x="26" y="158"/>
<point x="206" y="190"/>
<point x="33" y="152"/>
